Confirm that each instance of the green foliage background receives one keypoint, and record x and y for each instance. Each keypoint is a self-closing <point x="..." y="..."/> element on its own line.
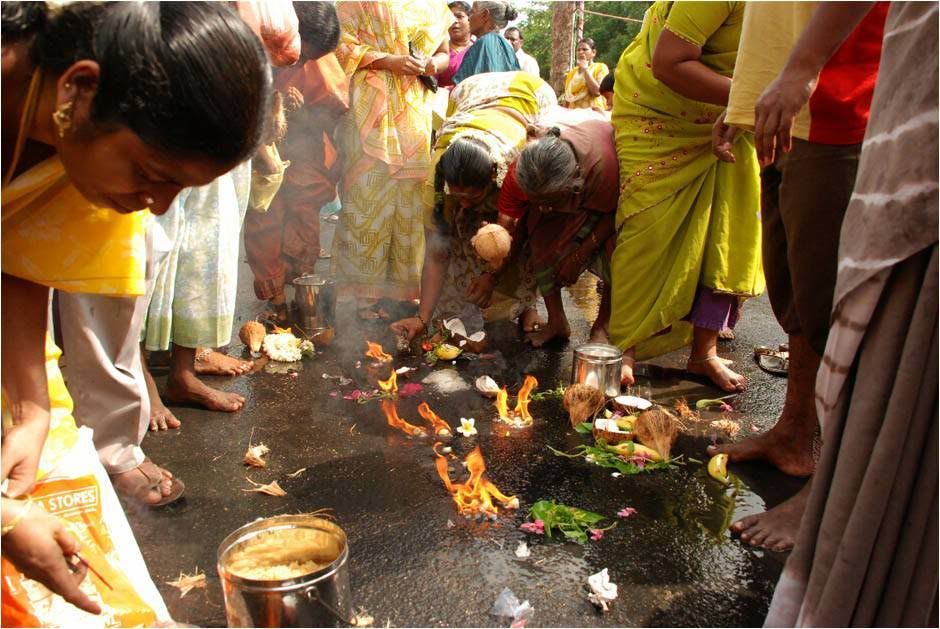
<point x="610" y="35"/>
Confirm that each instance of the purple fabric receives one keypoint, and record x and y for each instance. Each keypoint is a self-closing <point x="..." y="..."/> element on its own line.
<point x="713" y="311"/>
<point x="446" y="78"/>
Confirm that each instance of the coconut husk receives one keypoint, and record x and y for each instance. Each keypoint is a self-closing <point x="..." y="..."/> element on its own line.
<point x="582" y="401"/>
<point x="252" y="334"/>
<point x="657" y="428"/>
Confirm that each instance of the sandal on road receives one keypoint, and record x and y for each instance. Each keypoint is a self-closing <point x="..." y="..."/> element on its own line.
<point x="773" y="361"/>
<point x="154" y="476"/>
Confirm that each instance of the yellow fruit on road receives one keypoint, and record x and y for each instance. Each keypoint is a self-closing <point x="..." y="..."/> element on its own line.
<point x="718" y="468"/>
<point x="630" y="449"/>
<point x="446" y="351"/>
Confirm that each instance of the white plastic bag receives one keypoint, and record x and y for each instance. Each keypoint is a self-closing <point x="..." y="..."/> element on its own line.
<point x="275" y="22"/>
<point x="79" y="491"/>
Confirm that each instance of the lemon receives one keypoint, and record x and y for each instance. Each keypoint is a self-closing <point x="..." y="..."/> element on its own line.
<point x="446" y="351"/>
<point x="718" y="468"/>
<point x="626" y="423"/>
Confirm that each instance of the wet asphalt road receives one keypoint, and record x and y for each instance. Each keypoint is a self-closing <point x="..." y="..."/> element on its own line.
<point x="675" y="563"/>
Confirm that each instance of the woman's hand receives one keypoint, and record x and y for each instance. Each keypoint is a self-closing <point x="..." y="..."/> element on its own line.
<point x="22" y="447"/>
<point x="408" y="328"/>
<point x="480" y="291"/>
<point x="400" y="64"/>
<point x="38" y="546"/>
<point x="583" y="65"/>
<point x="570" y="269"/>
<point x="723" y="137"/>
<point x="293" y="99"/>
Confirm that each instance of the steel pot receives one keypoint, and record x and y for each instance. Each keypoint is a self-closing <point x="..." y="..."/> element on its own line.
<point x="318" y="599"/>
<point x="315" y="307"/>
<point x="598" y="365"/>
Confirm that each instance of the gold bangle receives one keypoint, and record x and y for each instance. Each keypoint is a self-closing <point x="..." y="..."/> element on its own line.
<point x="17" y="518"/>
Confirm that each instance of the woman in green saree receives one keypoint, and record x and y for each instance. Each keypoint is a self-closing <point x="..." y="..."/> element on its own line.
<point x="688" y="245"/>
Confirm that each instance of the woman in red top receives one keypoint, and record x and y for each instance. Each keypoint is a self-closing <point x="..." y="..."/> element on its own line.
<point x="563" y="190"/>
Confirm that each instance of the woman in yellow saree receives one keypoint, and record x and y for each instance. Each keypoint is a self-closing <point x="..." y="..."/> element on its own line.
<point x="385" y="140"/>
<point x="688" y="247"/>
<point x="583" y="81"/>
<point x="102" y="119"/>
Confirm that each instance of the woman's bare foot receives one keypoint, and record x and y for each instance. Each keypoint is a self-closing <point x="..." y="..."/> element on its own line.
<point x="146" y="483"/>
<point x="186" y="388"/>
<point x="785" y="452"/>
<point x="775" y="529"/>
<point x="599" y="334"/>
<point x="161" y="418"/>
<point x="716" y="369"/>
<point x="212" y="363"/>
<point x="552" y="330"/>
<point x="628" y="366"/>
<point x="530" y="321"/>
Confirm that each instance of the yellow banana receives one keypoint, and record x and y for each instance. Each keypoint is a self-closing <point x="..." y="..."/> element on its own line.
<point x="630" y="449"/>
<point x="446" y="351"/>
<point x="718" y="468"/>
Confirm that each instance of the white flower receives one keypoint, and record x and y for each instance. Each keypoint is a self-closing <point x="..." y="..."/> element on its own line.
<point x="522" y="550"/>
<point x="285" y="347"/>
<point x="467" y="427"/>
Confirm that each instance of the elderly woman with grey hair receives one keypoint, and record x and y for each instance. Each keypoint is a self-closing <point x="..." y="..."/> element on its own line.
<point x="563" y="188"/>
<point x="491" y="52"/>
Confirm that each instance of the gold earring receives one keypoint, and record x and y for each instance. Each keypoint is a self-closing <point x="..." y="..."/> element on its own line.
<point x="62" y="118"/>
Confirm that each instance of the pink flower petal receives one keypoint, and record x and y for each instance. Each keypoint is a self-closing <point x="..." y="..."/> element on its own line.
<point x="626" y="512"/>
<point x="409" y="389"/>
<point x="726" y="408"/>
<point x="334" y="393"/>
<point x="597" y="534"/>
<point x="754" y="428"/>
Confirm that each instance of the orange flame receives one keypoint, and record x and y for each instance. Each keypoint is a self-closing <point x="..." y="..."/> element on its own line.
<point x="390" y="385"/>
<point x="441" y="428"/>
<point x="522" y="402"/>
<point x="502" y="405"/>
<point x="475" y="497"/>
<point x="391" y="414"/>
<point x="375" y="351"/>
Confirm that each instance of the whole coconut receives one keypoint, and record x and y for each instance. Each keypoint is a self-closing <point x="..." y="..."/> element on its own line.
<point x="492" y="243"/>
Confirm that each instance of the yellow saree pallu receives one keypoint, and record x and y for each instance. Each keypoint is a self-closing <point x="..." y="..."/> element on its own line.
<point x="684" y="218"/>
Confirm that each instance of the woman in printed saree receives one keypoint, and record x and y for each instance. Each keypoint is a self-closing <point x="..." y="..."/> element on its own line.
<point x="489" y="114"/>
<point x="102" y="119"/>
<point x="385" y="141"/>
<point x="583" y="81"/>
<point x="688" y="247"/>
<point x="491" y="52"/>
<point x="564" y="189"/>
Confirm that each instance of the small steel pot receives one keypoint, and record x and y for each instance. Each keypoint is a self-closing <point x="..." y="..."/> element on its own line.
<point x="318" y="599"/>
<point x="315" y="307"/>
<point x="598" y="365"/>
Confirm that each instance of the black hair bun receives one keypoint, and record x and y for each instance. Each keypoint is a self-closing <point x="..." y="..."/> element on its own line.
<point x="510" y="13"/>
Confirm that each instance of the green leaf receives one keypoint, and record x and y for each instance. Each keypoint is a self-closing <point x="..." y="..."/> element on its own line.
<point x="584" y="428"/>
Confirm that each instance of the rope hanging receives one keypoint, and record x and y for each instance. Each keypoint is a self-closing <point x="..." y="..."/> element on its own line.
<point x="616" y="17"/>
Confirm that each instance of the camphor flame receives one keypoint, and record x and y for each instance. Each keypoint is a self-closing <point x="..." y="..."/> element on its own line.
<point x="522" y="401"/>
<point x="375" y="351"/>
<point x="502" y="405"/>
<point x="391" y="414"/>
<point x="441" y="428"/>
<point x="475" y="497"/>
<point x="520" y="415"/>
<point x="390" y="386"/>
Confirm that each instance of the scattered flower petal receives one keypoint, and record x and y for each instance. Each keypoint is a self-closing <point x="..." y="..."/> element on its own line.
<point x="726" y="408"/>
<point x="522" y="550"/>
<point x="597" y="534"/>
<point x="410" y="388"/>
<point x="754" y="428"/>
<point x="616" y="474"/>
<point x="536" y="528"/>
<point x="626" y="512"/>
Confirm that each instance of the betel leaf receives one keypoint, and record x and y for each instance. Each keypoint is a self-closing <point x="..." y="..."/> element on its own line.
<point x="584" y="428"/>
<point x="572" y="522"/>
<point x="602" y="455"/>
